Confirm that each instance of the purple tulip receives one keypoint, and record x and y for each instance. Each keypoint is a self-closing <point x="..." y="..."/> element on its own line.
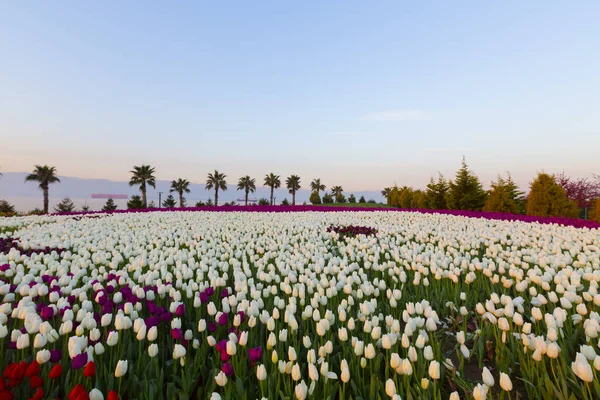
<point x="79" y="361"/>
<point x="55" y="356"/>
<point x="47" y="313"/>
<point x="211" y="326"/>
<point x="227" y="369"/>
<point x="221" y="346"/>
<point x="255" y="354"/>
<point x="166" y="317"/>
<point x="222" y="319"/>
<point x="203" y="297"/>
<point x="180" y="312"/>
<point x="176" y="333"/>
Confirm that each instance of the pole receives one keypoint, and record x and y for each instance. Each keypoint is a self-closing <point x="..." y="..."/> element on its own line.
<point x="159" y="199"/>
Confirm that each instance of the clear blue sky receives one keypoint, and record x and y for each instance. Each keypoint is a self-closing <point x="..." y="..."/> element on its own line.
<point x="362" y="94"/>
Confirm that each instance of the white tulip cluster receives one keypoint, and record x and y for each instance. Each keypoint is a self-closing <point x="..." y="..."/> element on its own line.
<point x="330" y="316"/>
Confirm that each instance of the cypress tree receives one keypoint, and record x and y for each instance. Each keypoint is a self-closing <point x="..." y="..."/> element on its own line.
<point x="437" y="193"/>
<point x="505" y="196"/>
<point x="466" y="192"/>
<point x="548" y="199"/>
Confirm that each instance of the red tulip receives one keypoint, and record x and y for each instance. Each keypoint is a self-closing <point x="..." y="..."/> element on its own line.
<point x="7" y="396"/>
<point x="8" y="371"/>
<point x="112" y="395"/>
<point x="2" y="385"/>
<point x="14" y="382"/>
<point x="39" y="395"/>
<point x="20" y="370"/>
<point x="36" y="382"/>
<point x="15" y="371"/>
<point x="56" y="371"/>
<point x="33" y="369"/>
<point x="79" y="393"/>
<point x="89" y="370"/>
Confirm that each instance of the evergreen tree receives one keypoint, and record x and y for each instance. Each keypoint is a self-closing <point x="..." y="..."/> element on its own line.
<point x="285" y="202"/>
<point x="405" y="198"/>
<point x="340" y="198"/>
<point x="315" y="198"/>
<point x="85" y="208"/>
<point x="111" y="206"/>
<point x="135" y="202"/>
<point x="351" y="199"/>
<point x="263" y="202"/>
<point x="65" y="205"/>
<point x="169" y="202"/>
<point x="6" y="207"/>
<point x="200" y="204"/>
<point x="362" y="200"/>
<point x="548" y="199"/>
<point x="466" y="192"/>
<point x="418" y="199"/>
<point x="327" y="198"/>
<point x="152" y="204"/>
<point x="505" y="197"/>
<point x="437" y="193"/>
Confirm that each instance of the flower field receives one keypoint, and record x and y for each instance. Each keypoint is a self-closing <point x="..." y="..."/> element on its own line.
<point x="297" y="305"/>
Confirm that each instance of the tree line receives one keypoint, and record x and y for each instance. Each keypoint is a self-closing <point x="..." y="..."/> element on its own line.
<point x="549" y="195"/>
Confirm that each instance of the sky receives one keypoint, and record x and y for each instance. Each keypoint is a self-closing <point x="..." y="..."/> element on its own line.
<point x="359" y="94"/>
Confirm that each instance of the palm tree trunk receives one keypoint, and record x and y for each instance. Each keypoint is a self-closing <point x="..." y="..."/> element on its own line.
<point x="143" y="189"/>
<point x="246" y="197"/>
<point x="272" y="195"/>
<point x="180" y="199"/>
<point x="216" y="197"/>
<point x="294" y="198"/>
<point x="45" y="191"/>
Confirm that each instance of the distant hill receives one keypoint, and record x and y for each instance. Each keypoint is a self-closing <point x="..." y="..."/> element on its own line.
<point x="26" y="196"/>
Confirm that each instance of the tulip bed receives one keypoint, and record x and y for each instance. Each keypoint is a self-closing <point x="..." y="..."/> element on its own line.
<point x="295" y="305"/>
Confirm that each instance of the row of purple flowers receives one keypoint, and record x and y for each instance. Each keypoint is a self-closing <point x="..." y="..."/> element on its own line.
<point x="577" y="223"/>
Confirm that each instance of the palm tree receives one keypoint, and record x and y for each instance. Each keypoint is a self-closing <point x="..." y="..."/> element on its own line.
<point x="337" y="191"/>
<point x="293" y="184"/>
<point x="45" y="175"/>
<point x="143" y="175"/>
<point x="386" y="192"/>
<point x="180" y="186"/>
<point x="273" y="182"/>
<point x="216" y="181"/>
<point x="247" y="184"/>
<point x="317" y="186"/>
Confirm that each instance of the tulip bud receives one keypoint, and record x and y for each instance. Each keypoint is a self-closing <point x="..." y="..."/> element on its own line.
<point x="505" y="382"/>
<point x="488" y="379"/>
<point x="261" y="373"/>
<point x="221" y="379"/>
<point x="121" y="369"/>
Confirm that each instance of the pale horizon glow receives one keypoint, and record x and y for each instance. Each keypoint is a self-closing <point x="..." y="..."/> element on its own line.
<point x="357" y="94"/>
